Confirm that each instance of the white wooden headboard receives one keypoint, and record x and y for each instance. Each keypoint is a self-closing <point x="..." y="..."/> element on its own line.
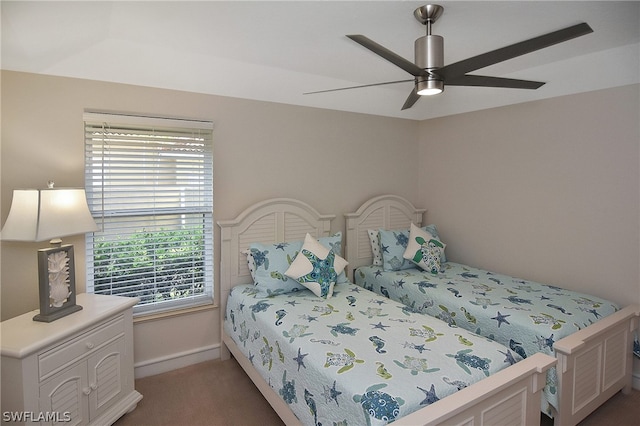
<point x="386" y="212"/>
<point x="269" y="221"/>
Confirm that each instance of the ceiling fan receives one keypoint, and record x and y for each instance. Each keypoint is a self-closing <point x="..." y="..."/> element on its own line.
<point x="431" y="75"/>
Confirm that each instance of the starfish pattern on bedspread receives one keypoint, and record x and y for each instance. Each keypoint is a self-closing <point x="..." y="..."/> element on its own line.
<point x="501" y="319"/>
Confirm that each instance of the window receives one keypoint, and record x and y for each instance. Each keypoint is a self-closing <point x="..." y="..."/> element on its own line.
<point x="149" y="185"/>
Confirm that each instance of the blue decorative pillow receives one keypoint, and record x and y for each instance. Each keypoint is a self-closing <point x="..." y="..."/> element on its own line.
<point x="269" y="262"/>
<point x="316" y="267"/>
<point x="393" y="244"/>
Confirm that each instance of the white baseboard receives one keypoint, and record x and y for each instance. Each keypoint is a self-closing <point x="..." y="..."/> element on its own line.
<point x="175" y="361"/>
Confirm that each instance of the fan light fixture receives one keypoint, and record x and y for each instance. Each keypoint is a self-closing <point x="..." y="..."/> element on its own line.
<point x="48" y="214"/>
<point x="429" y="87"/>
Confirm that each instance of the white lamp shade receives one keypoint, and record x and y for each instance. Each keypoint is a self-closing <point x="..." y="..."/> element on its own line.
<point x="40" y="215"/>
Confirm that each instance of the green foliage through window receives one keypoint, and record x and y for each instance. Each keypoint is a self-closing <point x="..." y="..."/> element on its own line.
<point x="153" y="266"/>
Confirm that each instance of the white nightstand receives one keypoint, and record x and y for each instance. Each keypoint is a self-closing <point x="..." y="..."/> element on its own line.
<point x="77" y="369"/>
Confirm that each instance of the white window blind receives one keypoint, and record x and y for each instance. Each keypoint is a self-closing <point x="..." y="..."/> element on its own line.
<point x="149" y="185"/>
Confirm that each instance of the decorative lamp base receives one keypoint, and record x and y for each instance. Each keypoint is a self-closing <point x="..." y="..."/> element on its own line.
<point x="56" y="271"/>
<point x="57" y="314"/>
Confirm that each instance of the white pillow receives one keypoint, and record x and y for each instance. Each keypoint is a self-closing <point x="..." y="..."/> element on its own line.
<point x="424" y="250"/>
<point x="316" y="267"/>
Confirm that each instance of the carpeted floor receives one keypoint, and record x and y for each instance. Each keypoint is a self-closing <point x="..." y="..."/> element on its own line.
<point x="219" y="393"/>
<point x="212" y="393"/>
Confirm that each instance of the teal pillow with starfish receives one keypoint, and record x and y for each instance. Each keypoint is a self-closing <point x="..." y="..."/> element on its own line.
<point x="268" y="263"/>
<point x="323" y="272"/>
<point x="316" y="268"/>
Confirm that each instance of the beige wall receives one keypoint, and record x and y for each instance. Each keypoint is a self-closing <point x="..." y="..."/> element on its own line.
<point x="546" y="190"/>
<point x="330" y="159"/>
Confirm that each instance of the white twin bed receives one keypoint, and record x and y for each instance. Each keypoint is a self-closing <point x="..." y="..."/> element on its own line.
<point x="307" y="376"/>
<point x="361" y="358"/>
<point x="594" y="362"/>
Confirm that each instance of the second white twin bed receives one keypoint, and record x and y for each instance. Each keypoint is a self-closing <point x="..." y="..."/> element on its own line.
<point x="393" y="254"/>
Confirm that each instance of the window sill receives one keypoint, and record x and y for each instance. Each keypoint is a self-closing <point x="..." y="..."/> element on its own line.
<point x="142" y="317"/>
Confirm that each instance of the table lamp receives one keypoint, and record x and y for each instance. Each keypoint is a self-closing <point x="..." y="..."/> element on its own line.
<point x="48" y="214"/>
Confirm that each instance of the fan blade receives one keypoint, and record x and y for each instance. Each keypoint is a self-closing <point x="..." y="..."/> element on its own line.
<point x="357" y="87"/>
<point x="512" y="51"/>
<point x="412" y="99"/>
<point x="484" y="81"/>
<point x="394" y="58"/>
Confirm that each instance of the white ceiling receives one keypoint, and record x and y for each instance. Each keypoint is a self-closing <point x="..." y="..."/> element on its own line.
<point x="277" y="50"/>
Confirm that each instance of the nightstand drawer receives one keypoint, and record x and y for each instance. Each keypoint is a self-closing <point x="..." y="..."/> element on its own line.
<point x="70" y="351"/>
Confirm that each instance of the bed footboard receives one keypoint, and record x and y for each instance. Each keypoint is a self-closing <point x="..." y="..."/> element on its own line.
<point x="511" y="396"/>
<point x="594" y="364"/>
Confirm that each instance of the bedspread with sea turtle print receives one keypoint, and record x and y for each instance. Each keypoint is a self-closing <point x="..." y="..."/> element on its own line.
<point x="523" y="315"/>
<point x="356" y="358"/>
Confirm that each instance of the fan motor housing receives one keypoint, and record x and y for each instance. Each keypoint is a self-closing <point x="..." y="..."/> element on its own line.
<point x="429" y="52"/>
